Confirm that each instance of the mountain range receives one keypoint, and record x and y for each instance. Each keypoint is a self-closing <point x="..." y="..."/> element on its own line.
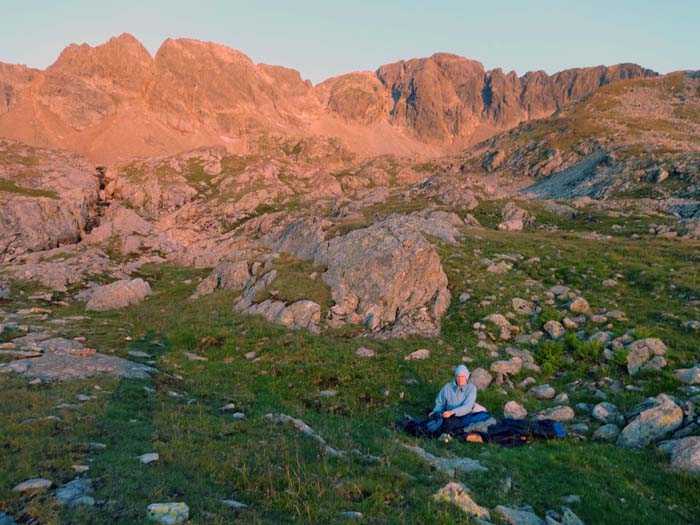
<point x="115" y="101"/>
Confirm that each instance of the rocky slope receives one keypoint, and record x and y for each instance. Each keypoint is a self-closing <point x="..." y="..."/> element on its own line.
<point x="115" y="101"/>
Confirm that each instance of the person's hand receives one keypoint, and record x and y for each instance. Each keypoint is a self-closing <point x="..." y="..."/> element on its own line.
<point x="447" y="413"/>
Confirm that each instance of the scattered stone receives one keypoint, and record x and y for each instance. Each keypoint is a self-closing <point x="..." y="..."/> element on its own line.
<point x="580" y="306"/>
<point x="571" y="498"/>
<point x="691" y="325"/>
<point x="350" y="515"/>
<point x="527" y="382"/>
<point x="76" y="492"/>
<point x="506" y="368"/>
<point x="150" y="457"/>
<point x="607" y="433"/>
<point x="558" y="413"/>
<point x="685" y="453"/>
<point x="449" y="466"/>
<point x="599" y="319"/>
<point x="168" y="513"/>
<point x="505" y="329"/>
<point x="689" y="376"/>
<point x="480" y="378"/>
<point x="518" y="515"/>
<point x="562" y="398"/>
<point x="418" y="355"/>
<point x="5" y="292"/>
<point x="567" y="517"/>
<point x="514" y="410"/>
<point x="658" y="417"/>
<point x="639" y="352"/>
<point x="238" y="415"/>
<point x="195" y="357"/>
<point x="543" y="392"/>
<point x="655" y="364"/>
<point x="464" y="297"/>
<point x="607" y="413"/>
<point x="80" y="468"/>
<point x="234" y="504"/>
<point x="328" y="393"/>
<point x="250" y="355"/>
<point x="97" y="446"/>
<point x="600" y="337"/>
<point x="458" y="494"/>
<point x="523" y="307"/>
<point x="118" y="294"/>
<point x="554" y="329"/>
<point x="34" y="484"/>
<point x="609" y="282"/>
<point x="364" y="352"/>
<point x="499" y="268"/>
<point x="569" y="323"/>
<point x="511" y="226"/>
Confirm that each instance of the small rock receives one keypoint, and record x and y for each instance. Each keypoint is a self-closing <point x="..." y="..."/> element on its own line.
<point x="80" y="468"/>
<point x="238" y="415"/>
<point x="554" y="329"/>
<point x="689" y="376"/>
<point x="518" y="515"/>
<point x="607" y="413"/>
<point x="228" y="406"/>
<point x="350" y="515"/>
<point x="514" y="410"/>
<point x="464" y="297"/>
<point x="607" y="433"/>
<point x="562" y="399"/>
<point x="523" y="307"/>
<point x="599" y="319"/>
<point x="328" y="393"/>
<point x="76" y="492"/>
<point x="33" y="484"/>
<point x="543" y="392"/>
<point x="195" y="357"/>
<point x="234" y="504"/>
<point x="527" y="382"/>
<point x="558" y="413"/>
<point x="168" y="513"/>
<point x="418" y="355"/>
<point x="250" y="355"/>
<point x="572" y="498"/>
<point x="364" y="352"/>
<point x="459" y="495"/>
<point x="149" y="458"/>
<point x="480" y="378"/>
<point x="580" y="306"/>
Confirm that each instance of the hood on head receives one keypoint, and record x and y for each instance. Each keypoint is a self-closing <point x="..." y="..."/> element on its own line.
<point x="461" y="369"/>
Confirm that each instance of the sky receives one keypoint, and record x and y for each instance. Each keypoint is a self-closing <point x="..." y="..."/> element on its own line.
<point x="322" y="39"/>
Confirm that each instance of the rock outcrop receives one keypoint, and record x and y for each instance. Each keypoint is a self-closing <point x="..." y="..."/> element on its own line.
<point x="46" y="198"/>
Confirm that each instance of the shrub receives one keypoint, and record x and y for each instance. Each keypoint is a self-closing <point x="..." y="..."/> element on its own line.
<point x="550" y="314"/>
<point x="550" y="356"/>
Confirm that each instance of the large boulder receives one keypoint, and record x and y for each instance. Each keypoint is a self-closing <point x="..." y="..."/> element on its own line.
<point x="656" y="418"/>
<point x="119" y="294"/>
<point x="387" y="277"/>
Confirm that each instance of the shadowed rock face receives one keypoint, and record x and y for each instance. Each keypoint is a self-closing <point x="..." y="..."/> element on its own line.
<point x="446" y="96"/>
<point x="117" y="101"/>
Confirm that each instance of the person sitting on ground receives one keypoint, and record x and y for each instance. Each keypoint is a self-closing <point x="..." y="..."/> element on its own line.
<point x="455" y="409"/>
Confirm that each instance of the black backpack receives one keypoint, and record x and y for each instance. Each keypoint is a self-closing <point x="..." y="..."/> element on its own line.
<point x="514" y="432"/>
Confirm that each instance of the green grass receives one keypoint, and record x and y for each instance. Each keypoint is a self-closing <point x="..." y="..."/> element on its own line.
<point x="283" y="476"/>
<point x="10" y="187"/>
<point x="294" y="283"/>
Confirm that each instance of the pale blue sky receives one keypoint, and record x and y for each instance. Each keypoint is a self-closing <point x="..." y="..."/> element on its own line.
<point x="325" y="38"/>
